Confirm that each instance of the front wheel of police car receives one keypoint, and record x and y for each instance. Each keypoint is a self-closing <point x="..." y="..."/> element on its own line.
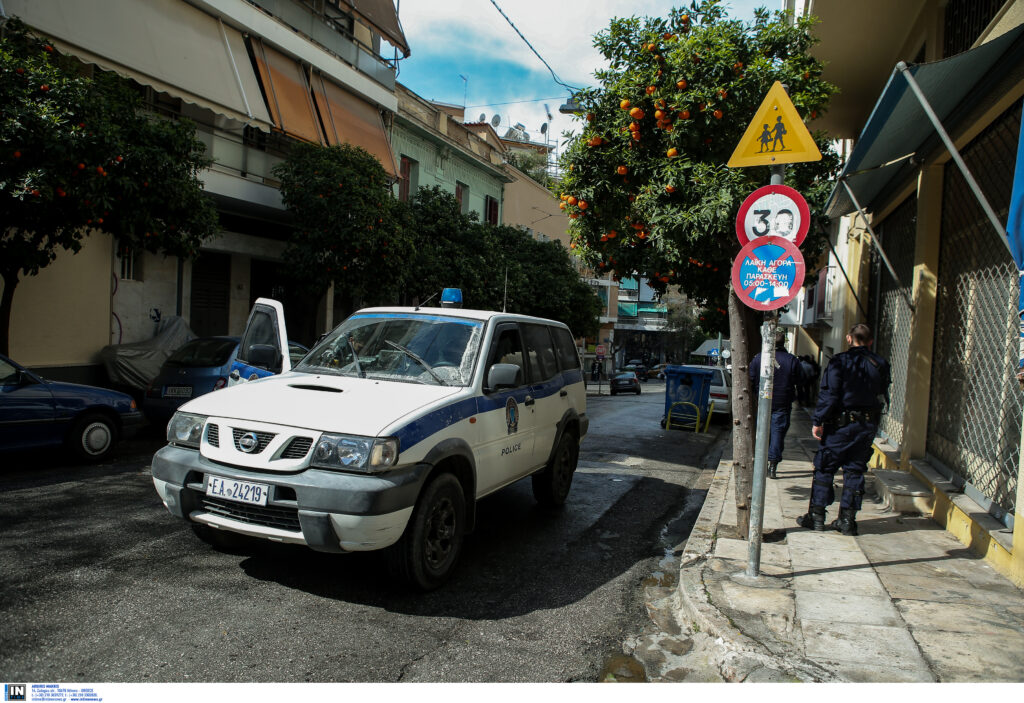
<point x="429" y="549"/>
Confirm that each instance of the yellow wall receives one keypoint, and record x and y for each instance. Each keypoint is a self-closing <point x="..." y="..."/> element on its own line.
<point x="62" y="316"/>
<point x="529" y="204"/>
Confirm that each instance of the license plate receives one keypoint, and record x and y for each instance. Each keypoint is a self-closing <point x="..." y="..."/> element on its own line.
<point x="238" y="491"/>
<point x="178" y="392"/>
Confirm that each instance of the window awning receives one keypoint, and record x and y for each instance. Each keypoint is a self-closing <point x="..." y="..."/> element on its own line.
<point x="288" y="94"/>
<point x="627" y="309"/>
<point x="167" y="45"/>
<point x="382" y="16"/>
<point x="898" y="127"/>
<point x="347" y="118"/>
<point x="652" y="307"/>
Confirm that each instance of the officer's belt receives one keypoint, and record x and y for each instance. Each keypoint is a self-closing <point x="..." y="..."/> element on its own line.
<point x="868" y="417"/>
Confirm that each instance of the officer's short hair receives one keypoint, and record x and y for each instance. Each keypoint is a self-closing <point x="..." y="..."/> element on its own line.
<point x="861" y="334"/>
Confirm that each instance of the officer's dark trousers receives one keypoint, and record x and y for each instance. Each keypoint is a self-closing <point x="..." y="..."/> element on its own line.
<point x="777" y="441"/>
<point x="848" y="448"/>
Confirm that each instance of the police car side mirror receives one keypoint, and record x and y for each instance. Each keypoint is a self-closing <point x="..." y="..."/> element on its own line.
<point x="264" y="356"/>
<point x="504" y="376"/>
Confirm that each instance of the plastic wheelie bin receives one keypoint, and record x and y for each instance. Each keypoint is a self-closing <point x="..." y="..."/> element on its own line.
<point x="687" y="398"/>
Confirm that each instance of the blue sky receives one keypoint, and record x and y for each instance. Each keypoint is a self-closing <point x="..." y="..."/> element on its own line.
<point x="470" y="38"/>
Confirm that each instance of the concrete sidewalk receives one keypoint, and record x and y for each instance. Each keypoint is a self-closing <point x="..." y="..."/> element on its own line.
<point x="902" y="602"/>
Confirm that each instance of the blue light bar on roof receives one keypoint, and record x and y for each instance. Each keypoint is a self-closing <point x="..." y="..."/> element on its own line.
<point x="451" y="298"/>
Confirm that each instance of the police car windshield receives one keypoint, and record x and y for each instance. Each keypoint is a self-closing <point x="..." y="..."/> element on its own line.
<point x="370" y="345"/>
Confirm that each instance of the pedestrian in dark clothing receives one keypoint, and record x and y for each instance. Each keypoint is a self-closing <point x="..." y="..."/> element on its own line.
<point x="595" y="372"/>
<point x="787" y="376"/>
<point x="853" y="393"/>
<point x="807" y="379"/>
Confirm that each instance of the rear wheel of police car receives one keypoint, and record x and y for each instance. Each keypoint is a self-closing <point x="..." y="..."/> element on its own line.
<point x="428" y="551"/>
<point x="551" y="485"/>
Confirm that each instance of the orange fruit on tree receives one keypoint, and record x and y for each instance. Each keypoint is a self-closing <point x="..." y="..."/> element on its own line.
<point x="636" y="136"/>
<point x="659" y="115"/>
<point x="636" y="113"/>
<point x="681" y="84"/>
<point x="612" y="234"/>
<point x="718" y="114"/>
<point x="651" y="89"/>
<point x="652" y="48"/>
<point x="722" y="93"/>
<point x="622" y="170"/>
<point x="582" y="205"/>
<point x="684" y="115"/>
<point x="670" y="188"/>
<point x="590" y="117"/>
<point x="624" y="104"/>
<point x="634" y="127"/>
<point x="571" y="199"/>
<point x="561" y="206"/>
<point x="672" y="153"/>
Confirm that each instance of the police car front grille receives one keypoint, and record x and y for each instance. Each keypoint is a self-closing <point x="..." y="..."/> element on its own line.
<point x="297" y="448"/>
<point x="265" y="516"/>
<point x="262" y="439"/>
<point x="213" y="435"/>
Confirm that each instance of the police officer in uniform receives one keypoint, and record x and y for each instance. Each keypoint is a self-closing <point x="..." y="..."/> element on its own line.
<point x="854" y="391"/>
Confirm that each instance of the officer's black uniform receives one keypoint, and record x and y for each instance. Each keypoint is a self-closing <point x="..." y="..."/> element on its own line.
<point x="854" y="389"/>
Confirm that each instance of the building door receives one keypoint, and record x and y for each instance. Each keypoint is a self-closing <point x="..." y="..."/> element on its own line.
<point x="211" y="288"/>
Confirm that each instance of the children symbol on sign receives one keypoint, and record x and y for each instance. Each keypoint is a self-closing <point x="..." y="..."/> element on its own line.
<point x="766" y="136"/>
<point x="779" y="132"/>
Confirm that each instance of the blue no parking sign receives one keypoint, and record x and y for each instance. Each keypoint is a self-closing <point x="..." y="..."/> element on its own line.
<point x="768" y="273"/>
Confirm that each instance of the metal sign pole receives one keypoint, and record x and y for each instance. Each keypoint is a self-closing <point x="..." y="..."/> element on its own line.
<point x="764" y="421"/>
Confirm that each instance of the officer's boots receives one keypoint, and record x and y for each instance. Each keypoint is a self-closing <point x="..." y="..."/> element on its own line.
<point x="846" y="523"/>
<point x="814" y="519"/>
<point x="773" y="469"/>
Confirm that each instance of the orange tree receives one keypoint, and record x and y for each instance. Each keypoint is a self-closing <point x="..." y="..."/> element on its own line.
<point x="79" y="155"/>
<point x="645" y="182"/>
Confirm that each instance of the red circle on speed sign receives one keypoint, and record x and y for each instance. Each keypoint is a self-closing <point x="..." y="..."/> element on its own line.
<point x="778" y="211"/>
<point x="768" y="273"/>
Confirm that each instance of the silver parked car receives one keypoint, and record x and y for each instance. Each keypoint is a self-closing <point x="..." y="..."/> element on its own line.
<point x="721" y="388"/>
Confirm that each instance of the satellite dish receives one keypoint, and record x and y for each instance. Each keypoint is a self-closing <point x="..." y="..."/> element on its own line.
<point x="496" y="120"/>
<point x="544" y="128"/>
<point x="483" y="117"/>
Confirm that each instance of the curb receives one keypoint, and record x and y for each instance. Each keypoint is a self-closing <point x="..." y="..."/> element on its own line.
<point x="738" y="657"/>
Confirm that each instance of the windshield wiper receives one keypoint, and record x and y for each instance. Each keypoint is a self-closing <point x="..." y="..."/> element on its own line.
<point x="355" y="357"/>
<point x="416" y="358"/>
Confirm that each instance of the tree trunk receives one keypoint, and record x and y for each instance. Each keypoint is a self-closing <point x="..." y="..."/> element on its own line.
<point x="6" y="305"/>
<point x="742" y="333"/>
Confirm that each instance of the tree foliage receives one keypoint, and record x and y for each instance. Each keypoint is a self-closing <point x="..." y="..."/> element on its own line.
<point x="79" y="155"/>
<point x="645" y="181"/>
<point x="345" y="226"/>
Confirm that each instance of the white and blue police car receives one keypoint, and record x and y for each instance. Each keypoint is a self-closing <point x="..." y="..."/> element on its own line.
<point x="384" y="436"/>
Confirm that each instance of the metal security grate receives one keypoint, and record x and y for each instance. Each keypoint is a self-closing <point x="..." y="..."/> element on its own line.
<point x="297" y="448"/>
<point x="890" y="313"/>
<point x="262" y="439"/>
<point x="974" y="423"/>
<point x="213" y="435"/>
<point x="267" y="516"/>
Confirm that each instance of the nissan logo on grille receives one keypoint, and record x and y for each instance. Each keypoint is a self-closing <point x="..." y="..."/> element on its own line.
<point x="248" y="442"/>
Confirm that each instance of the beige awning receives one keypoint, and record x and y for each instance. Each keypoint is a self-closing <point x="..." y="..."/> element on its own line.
<point x="166" y="44"/>
<point x="382" y="16"/>
<point x="349" y="119"/>
<point x="288" y="94"/>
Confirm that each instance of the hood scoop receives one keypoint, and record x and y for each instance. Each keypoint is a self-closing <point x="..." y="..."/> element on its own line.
<point x="307" y="387"/>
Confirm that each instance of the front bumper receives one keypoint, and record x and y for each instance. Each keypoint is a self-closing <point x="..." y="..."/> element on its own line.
<point x="328" y="511"/>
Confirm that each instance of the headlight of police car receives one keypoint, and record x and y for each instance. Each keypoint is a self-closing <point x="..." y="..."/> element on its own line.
<point x="363" y="454"/>
<point x="185" y="429"/>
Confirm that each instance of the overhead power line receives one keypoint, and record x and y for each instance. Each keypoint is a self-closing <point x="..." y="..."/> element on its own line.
<point x="536" y="53"/>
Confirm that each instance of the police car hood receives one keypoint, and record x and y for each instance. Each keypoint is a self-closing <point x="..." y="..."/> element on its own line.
<point x="346" y="404"/>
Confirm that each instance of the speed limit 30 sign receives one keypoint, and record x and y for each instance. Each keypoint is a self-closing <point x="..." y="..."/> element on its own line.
<point x="773" y="211"/>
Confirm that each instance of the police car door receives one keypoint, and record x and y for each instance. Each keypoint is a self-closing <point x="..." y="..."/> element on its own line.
<point x="546" y="399"/>
<point x="507" y="417"/>
<point x="264" y="347"/>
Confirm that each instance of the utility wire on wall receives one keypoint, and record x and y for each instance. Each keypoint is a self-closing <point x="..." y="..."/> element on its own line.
<point x="527" y="42"/>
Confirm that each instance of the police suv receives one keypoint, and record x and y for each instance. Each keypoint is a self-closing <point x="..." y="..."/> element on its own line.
<point x="384" y="436"/>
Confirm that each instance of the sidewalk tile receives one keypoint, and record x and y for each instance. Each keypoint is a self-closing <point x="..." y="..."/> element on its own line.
<point x="859" y="672"/>
<point x="975" y="617"/>
<point x="803" y="557"/>
<point x="846" y="607"/>
<point x="967" y="657"/>
<point x="737" y="549"/>
<point x="808" y="539"/>
<point x="869" y="644"/>
<point x="944" y="589"/>
<point x="858" y="582"/>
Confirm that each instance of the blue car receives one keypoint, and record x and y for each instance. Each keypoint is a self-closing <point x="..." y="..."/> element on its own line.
<point x="197" y="367"/>
<point x="35" y="412"/>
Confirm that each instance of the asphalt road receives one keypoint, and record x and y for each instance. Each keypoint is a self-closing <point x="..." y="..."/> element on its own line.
<point x="101" y="583"/>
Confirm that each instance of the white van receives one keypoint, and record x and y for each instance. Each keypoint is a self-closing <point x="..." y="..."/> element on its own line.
<point x="384" y="436"/>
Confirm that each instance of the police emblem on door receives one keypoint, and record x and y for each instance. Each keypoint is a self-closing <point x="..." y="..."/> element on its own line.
<point x="512" y="415"/>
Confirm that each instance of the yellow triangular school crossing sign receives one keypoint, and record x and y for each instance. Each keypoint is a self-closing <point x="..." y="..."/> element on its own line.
<point x="776" y="135"/>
